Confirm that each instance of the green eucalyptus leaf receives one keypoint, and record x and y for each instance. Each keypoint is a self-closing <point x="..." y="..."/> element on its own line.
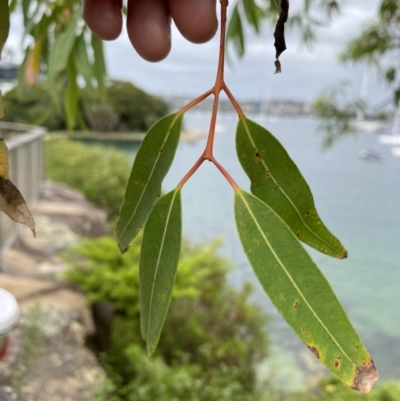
<point x="4" y="29"/>
<point x="151" y="165"/>
<point x="276" y="180"/>
<point x="301" y="293"/>
<point x="71" y="96"/>
<point x="62" y="47"/>
<point x="235" y="31"/>
<point x="253" y="14"/>
<point x="99" y="64"/>
<point x="4" y="23"/>
<point x="158" y="264"/>
<point x="81" y="60"/>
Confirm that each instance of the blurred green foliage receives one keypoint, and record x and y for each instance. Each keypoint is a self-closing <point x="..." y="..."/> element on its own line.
<point x="123" y="107"/>
<point x="334" y="119"/>
<point x="212" y="339"/>
<point x="32" y="105"/>
<point x="99" y="173"/>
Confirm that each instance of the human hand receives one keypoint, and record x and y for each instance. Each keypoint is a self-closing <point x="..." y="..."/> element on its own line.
<point x="149" y="22"/>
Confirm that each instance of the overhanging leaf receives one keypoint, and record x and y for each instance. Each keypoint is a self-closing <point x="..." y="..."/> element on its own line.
<point x="99" y="65"/>
<point x="2" y="111"/>
<point x="253" y="14"/>
<point x="81" y="60"/>
<point x="62" y="47"/>
<point x="151" y="165"/>
<point x="4" y="23"/>
<point x="71" y="96"/>
<point x="235" y="31"/>
<point x="276" y="180"/>
<point x="12" y="202"/>
<point x="301" y="293"/>
<point x="158" y="264"/>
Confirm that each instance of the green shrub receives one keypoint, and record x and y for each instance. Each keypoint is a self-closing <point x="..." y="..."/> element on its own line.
<point x="101" y="117"/>
<point x="123" y="107"/>
<point x="32" y="105"/>
<point x="212" y="339"/>
<point x="136" y="109"/>
<point x="100" y="174"/>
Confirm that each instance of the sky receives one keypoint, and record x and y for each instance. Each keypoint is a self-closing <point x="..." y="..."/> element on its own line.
<point x="190" y="69"/>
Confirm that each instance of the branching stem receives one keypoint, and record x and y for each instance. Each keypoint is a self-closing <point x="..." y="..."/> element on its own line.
<point x="196" y="101"/>
<point x="215" y="90"/>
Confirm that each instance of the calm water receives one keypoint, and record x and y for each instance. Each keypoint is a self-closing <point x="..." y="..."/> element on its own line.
<point x="358" y="200"/>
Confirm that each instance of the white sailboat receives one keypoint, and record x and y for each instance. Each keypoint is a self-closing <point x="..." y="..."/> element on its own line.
<point x="394" y="138"/>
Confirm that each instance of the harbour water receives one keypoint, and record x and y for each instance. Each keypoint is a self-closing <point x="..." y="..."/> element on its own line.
<point x="358" y="200"/>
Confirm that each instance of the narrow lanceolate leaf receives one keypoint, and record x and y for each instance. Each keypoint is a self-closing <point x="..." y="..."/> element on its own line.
<point x="276" y="180"/>
<point x="301" y="293"/>
<point x="151" y="165"/>
<point x="12" y="202"/>
<point x="4" y="23"/>
<point x="62" y="47"/>
<point x="158" y="263"/>
<point x="2" y="111"/>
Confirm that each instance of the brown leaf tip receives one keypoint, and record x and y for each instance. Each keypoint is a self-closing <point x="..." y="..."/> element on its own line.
<point x="365" y="377"/>
<point x="278" y="68"/>
<point x="123" y="249"/>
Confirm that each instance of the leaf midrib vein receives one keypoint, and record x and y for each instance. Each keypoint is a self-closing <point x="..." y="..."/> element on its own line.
<point x="158" y="261"/>
<point x="151" y="174"/>
<point x="284" y="193"/>
<point x="290" y="277"/>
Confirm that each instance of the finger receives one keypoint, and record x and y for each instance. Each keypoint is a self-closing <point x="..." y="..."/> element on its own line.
<point x="195" y="19"/>
<point x="149" y="28"/>
<point x="103" y="17"/>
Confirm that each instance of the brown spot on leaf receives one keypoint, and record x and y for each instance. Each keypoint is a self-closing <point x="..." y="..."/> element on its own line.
<point x="308" y="213"/>
<point x="258" y="155"/>
<point x="337" y="364"/>
<point x="256" y="243"/>
<point x="139" y="183"/>
<point x="365" y="377"/>
<point x="303" y="329"/>
<point x="295" y="305"/>
<point x="314" y="351"/>
<point x="280" y="296"/>
<point x="298" y="234"/>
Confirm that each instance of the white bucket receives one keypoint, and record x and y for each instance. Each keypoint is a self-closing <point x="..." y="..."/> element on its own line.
<point x="9" y="317"/>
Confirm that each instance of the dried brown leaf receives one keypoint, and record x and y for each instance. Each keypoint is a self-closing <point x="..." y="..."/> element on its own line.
<point x="279" y="34"/>
<point x="12" y="203"/>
